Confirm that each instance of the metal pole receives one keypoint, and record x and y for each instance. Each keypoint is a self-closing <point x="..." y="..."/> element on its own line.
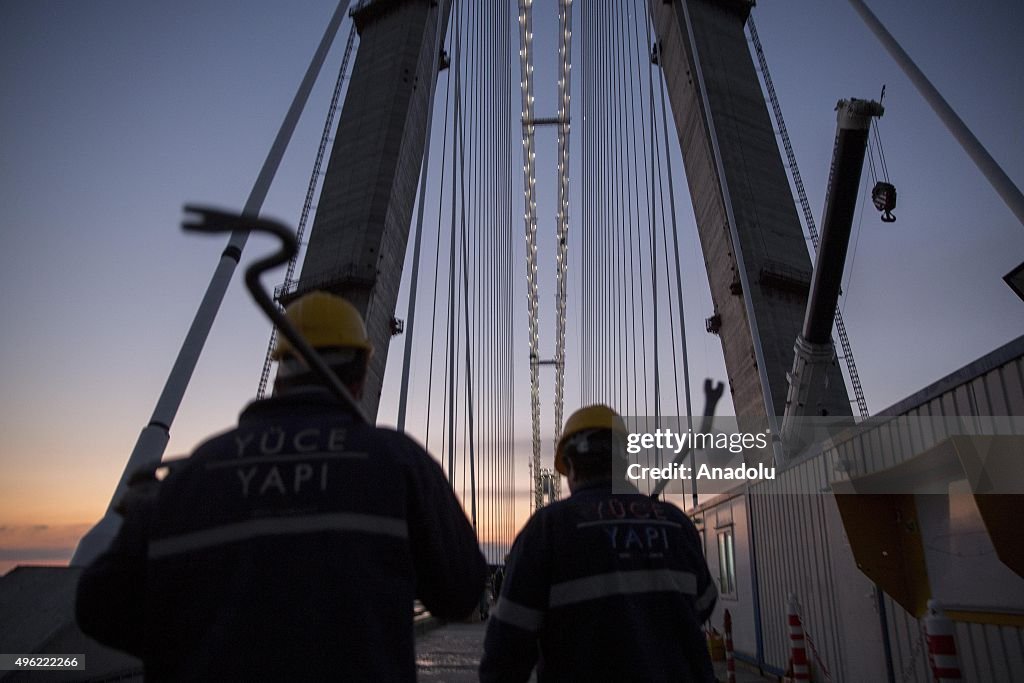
<point x="149" y="448"/>
<point x="995" y="175"/>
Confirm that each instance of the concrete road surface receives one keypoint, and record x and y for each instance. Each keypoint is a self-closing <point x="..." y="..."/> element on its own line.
<point x="451" y="654"/>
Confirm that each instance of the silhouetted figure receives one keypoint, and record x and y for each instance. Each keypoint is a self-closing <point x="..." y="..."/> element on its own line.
<point x="601" y="586"/>
<point x="291" y="547"/>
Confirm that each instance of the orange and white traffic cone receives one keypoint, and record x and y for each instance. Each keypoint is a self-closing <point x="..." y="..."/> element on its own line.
<point x="941" y="645"/>
<point x="797" y="643"/>
<point x="730" y="662"/>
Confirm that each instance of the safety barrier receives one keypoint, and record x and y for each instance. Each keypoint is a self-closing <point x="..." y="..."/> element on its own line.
<point x="941" y="645"/>
<point x="798" y="645"/>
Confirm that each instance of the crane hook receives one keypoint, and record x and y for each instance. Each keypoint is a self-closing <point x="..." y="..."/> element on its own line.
<point x="883" y="196"/>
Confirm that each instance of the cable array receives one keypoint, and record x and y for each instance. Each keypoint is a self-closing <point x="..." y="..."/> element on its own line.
<point x="630" y="309"/>
<point x="459" y="370"/>
<point x="470" y="358"/>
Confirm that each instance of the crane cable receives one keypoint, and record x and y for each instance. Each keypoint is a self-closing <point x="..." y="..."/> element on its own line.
<point x="307" y="206"/>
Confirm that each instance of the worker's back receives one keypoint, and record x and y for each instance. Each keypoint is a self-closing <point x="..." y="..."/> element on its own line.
<point x="610" y="587"/>
<point x="294" y="546"/>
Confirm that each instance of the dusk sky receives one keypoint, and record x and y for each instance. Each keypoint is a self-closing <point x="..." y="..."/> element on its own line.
<point x="114" y="115"/>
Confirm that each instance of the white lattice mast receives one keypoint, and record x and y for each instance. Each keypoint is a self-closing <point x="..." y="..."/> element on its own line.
<point x="564" y="110"/>
<point x="530" y="224"/>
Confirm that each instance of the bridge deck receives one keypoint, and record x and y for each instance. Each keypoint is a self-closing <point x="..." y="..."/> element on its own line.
<point x="451" y="653"/>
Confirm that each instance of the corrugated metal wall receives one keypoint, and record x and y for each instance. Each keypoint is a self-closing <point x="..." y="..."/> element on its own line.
<point x="991" y="653"/>
<point x="906" y="638"/>
<point x="987" y="652"/>
<point x="801" y="547"/>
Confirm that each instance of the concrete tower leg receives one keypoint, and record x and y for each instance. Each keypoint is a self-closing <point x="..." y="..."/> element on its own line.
<point x="771" y="243"/>
<point x="358" y="241"/>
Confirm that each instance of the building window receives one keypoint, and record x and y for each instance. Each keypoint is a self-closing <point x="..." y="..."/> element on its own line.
<point x="726" y="563"/>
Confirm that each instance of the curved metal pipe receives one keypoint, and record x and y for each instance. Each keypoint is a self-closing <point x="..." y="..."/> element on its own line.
<point x="209" y="220"/>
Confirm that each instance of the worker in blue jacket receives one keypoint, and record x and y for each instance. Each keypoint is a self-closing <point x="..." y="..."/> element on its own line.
<point x="606" y="585"/>
<point x="291" y="547"/>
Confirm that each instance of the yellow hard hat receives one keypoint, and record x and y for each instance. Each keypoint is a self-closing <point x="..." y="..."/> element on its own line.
<point x="324" y="320"/>
<point x="597" y="416"/>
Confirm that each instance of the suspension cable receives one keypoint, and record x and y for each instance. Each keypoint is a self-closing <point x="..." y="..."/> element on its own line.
<point x="418" y="237"/>
<point x="437" y="261"/>
<point x="634" y="267"/>
<point x="451" y="367"/>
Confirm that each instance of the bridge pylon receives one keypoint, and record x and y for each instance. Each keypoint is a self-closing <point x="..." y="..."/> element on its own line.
<point x="358" y="241"/>
<point x="754" y="249"/>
